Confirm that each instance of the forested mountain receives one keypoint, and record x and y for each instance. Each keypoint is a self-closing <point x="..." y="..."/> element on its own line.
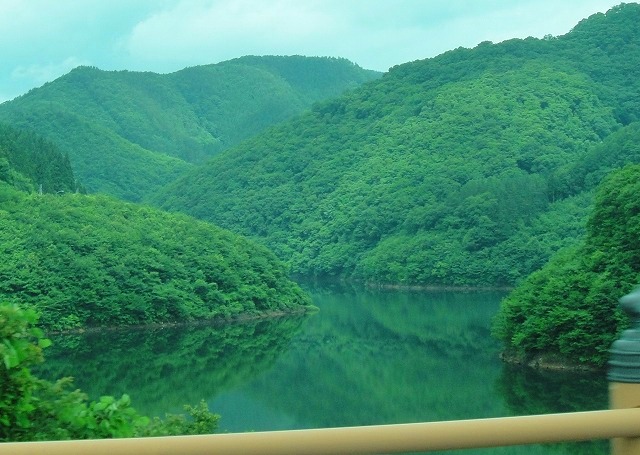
<point x="94" y="261"/>
<point x="470" y="168"/>
<point x="127" y="133"/>
<point x="30" y="163"/>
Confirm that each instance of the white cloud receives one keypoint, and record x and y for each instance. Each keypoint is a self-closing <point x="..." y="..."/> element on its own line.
<point x="207" y="32"/>
<point x="42" y="39"/>
<point x="376" y="34"/>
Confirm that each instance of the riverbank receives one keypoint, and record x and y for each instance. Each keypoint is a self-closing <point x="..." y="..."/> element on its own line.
<point x="331" y="281"/>
<point x="218" y="321"/>
<point x="549" y="362"/>
<point x="418" y="287"/>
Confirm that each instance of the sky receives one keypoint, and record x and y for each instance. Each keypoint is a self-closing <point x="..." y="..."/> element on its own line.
<point x="41" y="40"/>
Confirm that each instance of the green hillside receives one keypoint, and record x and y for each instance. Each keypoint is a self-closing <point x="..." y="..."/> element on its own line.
<point x="30" y="163"/>
<point x="127" y="133"/>
<point x="455" y="170"/>
<point x="93" y="260"/>
<point x="568" y="309"/>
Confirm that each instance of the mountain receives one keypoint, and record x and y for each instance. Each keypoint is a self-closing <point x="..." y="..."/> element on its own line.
<point x="94" y="260"/>
<point x="566" y="313"/>
<point x="128" y="133"/>
<point x="455" y="170"/>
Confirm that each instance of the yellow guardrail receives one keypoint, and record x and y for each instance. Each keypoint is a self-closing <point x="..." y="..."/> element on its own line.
<point x="380" y="439"/>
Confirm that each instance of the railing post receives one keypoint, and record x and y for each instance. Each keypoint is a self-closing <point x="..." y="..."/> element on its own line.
<point x="624" y="371"/>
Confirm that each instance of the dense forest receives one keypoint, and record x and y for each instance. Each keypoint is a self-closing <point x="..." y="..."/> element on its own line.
<point x="470" y="168"/>
<point x="93" y="260"/>
<point x="568" y="309"/>
<point x="473" y="168"/>
<point x="30" y="163"/>
<point x="127" y="133"/>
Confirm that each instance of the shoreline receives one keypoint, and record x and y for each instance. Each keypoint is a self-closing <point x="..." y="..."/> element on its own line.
<point x="397" y="286"/>
<point x="423" y="287"/>
<point x="548" y="362"/>
<point x="217" y="321"/>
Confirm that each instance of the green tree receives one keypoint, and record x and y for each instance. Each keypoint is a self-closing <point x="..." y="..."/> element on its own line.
<point x="95" y="261"/>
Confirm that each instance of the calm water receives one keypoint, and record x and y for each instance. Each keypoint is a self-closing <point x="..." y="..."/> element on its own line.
<point x="368" y="357"/>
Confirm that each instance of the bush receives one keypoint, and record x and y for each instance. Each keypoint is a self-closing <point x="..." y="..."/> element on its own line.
<point x="32" y="409"/>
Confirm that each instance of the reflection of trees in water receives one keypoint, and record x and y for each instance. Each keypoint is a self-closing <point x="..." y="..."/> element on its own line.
<point x="165" y="368"/>
<point x="375" y="357"/>
<point x="402" y="357"/>
<point x="533" y="391"/>
<point x="528" y="391"/>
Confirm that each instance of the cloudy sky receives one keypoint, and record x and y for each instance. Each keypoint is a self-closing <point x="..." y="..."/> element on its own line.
<point x="41" y="40"/>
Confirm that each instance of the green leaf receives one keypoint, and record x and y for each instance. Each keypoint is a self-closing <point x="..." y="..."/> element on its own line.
<point x="44" y="342"/>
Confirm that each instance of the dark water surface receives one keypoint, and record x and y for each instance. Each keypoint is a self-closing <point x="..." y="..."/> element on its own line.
<point x="367" y="357"/>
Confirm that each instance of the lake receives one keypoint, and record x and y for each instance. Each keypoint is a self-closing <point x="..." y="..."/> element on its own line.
<point x="367" y="357"/>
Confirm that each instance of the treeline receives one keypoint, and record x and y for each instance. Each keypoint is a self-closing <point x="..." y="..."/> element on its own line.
<point x="30" y="163"/>
<point x="471" y="168"/>
<point x="128" y="133"/>
<point x="92" y="260"/>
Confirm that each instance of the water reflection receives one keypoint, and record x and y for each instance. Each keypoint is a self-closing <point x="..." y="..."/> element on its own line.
<point x="164" y="368"/>
<point x="387" y="357"/>
<point x="368" y="357"/>
<point x="530" y="391"/>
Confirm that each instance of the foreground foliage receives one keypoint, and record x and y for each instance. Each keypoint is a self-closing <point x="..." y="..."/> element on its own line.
<point x="32" y="409"/>
<point x="569" y="307"/>
<point x="92" y="260"/>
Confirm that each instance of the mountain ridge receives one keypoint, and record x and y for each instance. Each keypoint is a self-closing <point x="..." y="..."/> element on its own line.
<point x="128" y="133"/>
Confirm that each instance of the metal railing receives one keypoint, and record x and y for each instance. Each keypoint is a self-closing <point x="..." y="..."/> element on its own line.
<point x="621" y="424"/>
